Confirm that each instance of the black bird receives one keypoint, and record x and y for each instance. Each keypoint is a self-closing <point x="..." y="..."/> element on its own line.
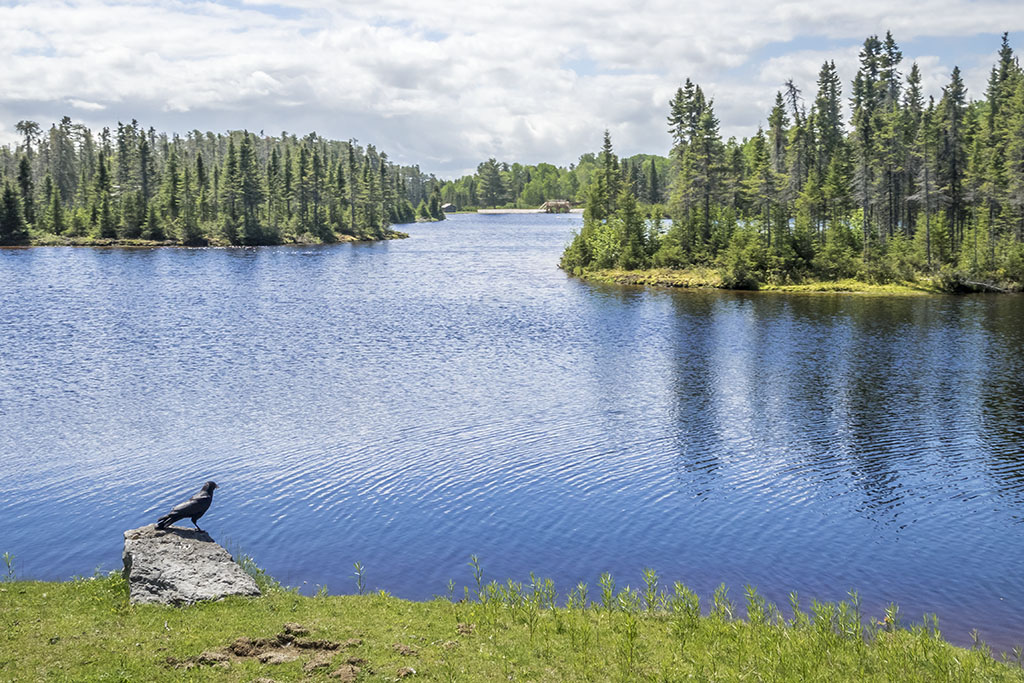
<point x="195" y="507"/>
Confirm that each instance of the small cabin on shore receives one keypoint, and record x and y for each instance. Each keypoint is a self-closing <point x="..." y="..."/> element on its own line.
<point x="556" y="206"/>
<point x="448" y="208"/>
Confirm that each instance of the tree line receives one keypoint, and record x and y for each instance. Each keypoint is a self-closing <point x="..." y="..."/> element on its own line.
<point x="504" y="185"/>
<point x="910" y="185"/>
<point x="239" y="188"/>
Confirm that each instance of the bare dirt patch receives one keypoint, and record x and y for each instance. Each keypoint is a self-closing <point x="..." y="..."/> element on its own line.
<point x="285" y="647"/>
<point x="318" y="661"/>
<point x="346" y="673"/>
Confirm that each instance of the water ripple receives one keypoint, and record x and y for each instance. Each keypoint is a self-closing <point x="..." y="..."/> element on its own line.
<point x="408" y="404"/>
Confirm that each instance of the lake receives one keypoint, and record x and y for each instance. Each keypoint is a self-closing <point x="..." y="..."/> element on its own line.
<point x="408" y="404"/>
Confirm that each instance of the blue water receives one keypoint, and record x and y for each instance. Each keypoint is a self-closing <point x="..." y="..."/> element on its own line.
<point x="407" y="404"/>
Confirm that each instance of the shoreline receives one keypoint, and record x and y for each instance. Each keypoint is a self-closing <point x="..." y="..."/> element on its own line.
<point x="118" y="243"/>
<point x="85" y="629"/>
<point x="709" y="278"/>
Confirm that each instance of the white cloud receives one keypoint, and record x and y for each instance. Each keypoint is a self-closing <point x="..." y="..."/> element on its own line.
<point x="86" y="105"/>
<point x="448" y="84"/>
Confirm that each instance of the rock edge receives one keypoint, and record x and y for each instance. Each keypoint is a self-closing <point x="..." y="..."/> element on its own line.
<point x="179" y="566"/>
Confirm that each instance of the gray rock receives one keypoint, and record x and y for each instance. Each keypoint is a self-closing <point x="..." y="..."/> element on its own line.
<point x="175" y="566"/>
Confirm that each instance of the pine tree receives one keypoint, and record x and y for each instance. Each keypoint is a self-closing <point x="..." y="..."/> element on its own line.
<point x="677" y="117"/>
<point x="189" y="232"/>
<point x="653" y="184"/>
<point x="31" y="131"/>
<point x="611" y="172"/>
<point x="54" y="207"/>
<point x="12" y="223"/>
<point x="828" y="118"/>
<point x="341" y="192"/>
<point x="912" y="113"/>
<point x="491" y="188"/>
<point x="866" y="113"/>
<point x="250" y="192"/>
<point x="147" y="170"/>
<point x="952" y="157"/>
<point x="434" y="205"/>
<point x="204" y="208"/>
<point x="106" y="225"/>
<point x="63" y="162"/>
<point x="274" y="188"/>
<point x="633" y="253"/>
<point x="930" y="194"/>
<point x="154" y="229"/>
<point x="353" y="174"/>
<point x="303" y="189"/>
<point x="703" y="161"/>
<point x="25" y="185"/>
<point x="318" y="218"/>
<point x="170" y="191"/>
<point x="230" y="195"/>
<point x="763" y="182"/>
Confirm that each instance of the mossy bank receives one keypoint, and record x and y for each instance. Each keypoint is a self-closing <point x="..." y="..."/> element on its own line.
<point x="85" y="630"/>
<point x="712" y="278"/>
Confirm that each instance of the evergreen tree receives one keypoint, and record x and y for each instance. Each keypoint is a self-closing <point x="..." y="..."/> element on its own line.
<point x="25" y="185"/>
<point x="952" y="156"/>
<point x="230" y="192"/>
<point x="106" y="225"/>
<point x="353" y="175"/>
<point x="55" y="207"/>
<point x="634" y="248"/>
<point x="491" y="188"/>
<point x="189" y="232"/>
<point x="154" y="228"/>
<point x="434" y="205"/>
<point x="828" y="118"/>
<point x="170" y="192"/>
<point x="250" y="192"/>
<point x="12" y="223"/>
<point x="653" y="184"/>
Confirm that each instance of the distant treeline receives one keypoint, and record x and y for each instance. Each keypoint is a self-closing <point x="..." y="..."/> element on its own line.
<point x="911" y="186"/>
<point x="68" y="184"/>
<point x="500" y="184"/>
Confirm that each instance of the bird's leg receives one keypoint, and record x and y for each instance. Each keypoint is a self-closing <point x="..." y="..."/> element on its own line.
<point x="197" y="526"/>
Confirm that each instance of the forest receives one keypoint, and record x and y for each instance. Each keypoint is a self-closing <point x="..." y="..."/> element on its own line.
<point x="526" y="186"/>
<point x="68" y="185"/>
<point x="910" y="187"/>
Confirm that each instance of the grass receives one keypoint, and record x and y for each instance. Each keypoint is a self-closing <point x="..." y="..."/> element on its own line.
<point x="85" y="630"/>
<point x="659" y="277"/>
<point x="850" y="285"/>
<point x="710" y="278"/>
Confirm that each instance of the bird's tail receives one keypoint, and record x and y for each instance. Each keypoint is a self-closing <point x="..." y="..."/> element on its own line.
<point x="163" y="522"/>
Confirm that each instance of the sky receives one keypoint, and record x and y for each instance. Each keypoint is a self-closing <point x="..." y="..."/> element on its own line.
<point x="446" y="85"/>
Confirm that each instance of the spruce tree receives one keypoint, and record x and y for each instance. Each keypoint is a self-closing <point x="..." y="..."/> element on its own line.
<point x="491" y="187"/>
<point x="12" y="223"/>
<point x="250" y="192"/>
<point x="653" y="184"/>
<point x="106" y="224"/>
<point x="25" y="185"/>
<point x="952" y="158"/>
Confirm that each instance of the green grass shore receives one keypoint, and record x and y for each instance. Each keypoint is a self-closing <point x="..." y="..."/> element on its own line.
<point x="85" y="630"/>
<point x="709" y="278"/>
